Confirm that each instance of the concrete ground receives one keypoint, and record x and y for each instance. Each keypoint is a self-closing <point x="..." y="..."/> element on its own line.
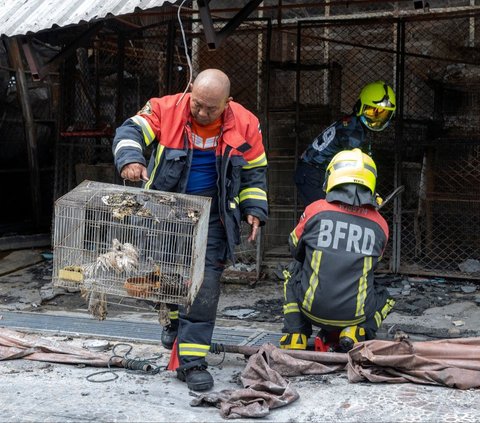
<point x="34" y="391"/>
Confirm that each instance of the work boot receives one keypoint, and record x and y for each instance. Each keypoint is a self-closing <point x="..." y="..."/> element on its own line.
<point x="293" y="341"/>
<point x="169" y="333"/>
<point x="349" y="336"/>
<point x="198" y="378"/>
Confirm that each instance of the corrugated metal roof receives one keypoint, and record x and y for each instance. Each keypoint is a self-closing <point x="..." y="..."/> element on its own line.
<point x="18" y="17"/>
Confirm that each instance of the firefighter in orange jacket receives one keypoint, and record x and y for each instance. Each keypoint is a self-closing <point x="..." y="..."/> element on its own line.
<point x="204" y="144"/>
<point x="337" y="245"/>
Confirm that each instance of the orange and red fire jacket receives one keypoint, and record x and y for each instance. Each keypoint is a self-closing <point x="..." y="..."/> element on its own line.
<point x="165" y="124"/>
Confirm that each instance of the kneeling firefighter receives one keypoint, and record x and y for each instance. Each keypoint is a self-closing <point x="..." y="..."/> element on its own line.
<point x="336" y="246"/>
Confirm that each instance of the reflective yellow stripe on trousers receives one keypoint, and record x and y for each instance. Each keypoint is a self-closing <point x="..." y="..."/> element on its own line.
<point x="362" y="287"/>
<point x="197" y="350"/>
<point x="313" y="283"/>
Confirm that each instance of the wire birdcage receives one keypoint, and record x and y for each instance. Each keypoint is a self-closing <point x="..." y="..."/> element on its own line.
<point x="130" y="242"/>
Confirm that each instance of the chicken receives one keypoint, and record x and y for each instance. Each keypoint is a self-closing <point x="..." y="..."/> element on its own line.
<point x="120" y="258"/>
<point x="124" y="204"/>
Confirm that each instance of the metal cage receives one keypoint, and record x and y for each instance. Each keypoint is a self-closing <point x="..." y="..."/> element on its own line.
<point x="130" y="242"/>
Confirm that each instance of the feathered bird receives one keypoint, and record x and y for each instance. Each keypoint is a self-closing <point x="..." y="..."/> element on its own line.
<point x="97" y="303"/>
<point x="120" y="258"/>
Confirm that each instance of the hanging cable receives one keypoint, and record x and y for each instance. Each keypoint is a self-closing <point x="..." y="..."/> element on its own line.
<point x="189" y="62"/>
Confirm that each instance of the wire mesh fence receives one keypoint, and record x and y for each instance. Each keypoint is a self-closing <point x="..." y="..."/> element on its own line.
<point x="431" y="148"/>
<point x="299" y="78"/>
<point x="321" y="85"/>
<point x="121" y="72"/>
<point x="440" y="218"/>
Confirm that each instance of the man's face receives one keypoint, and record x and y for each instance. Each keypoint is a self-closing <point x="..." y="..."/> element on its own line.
<point x="206" y="106"/>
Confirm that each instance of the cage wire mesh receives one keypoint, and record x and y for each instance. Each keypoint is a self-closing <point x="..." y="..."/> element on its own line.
<point x="248" y="85"/>
<point x="129" y="242"/>
<point x="440" y="155"/>
<point x="431" y="63"/>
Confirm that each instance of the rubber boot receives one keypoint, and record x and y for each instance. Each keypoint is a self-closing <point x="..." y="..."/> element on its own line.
<point x="197" y="378"/>
<point x="169" y="334"/>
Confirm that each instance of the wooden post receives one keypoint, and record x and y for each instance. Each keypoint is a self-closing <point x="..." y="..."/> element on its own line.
<point x="30" y="129"/>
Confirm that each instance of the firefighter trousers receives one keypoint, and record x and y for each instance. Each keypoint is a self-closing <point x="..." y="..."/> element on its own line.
<point x="309" y="181"/>
<point x="294" y="321"/>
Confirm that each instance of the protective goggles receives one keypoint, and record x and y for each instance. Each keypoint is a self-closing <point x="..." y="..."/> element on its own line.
<point x="376" y="117"/>
<point x="377" y="114"/>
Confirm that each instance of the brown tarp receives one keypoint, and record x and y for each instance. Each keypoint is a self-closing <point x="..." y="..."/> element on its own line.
<point x="15" y="345"/>
<point x="265" y="388"/>
<point x="453" y="363"/>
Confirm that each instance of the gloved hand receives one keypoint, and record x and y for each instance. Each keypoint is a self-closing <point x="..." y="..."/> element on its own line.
<point x="293" y="341"/>
<point x="378" y="200"/>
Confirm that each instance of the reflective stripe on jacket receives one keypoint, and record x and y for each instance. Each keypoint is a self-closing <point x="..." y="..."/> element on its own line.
<point x="241" y="160"/>
<point x="339" y="246"/>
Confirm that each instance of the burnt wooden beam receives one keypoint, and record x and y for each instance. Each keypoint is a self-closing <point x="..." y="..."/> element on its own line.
<point x="21" y="242"/>
<point x="16" y="62"/>
<point x="40" y="72"/>
<point x="216" y="38"/>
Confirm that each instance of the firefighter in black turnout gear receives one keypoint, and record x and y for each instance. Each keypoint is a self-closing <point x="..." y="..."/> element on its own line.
<point x="373" y="111"/>
<point x="336" y="246"/>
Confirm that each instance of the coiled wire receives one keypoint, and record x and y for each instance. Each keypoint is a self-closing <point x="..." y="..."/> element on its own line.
<point x="146" y="365"/>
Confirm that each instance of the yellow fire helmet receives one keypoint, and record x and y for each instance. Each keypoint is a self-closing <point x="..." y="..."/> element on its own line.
<point x="376" y="105"/>
<point x="351" y="167"/>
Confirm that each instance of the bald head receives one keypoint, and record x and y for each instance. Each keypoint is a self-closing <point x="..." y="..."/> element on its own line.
<point x="213" y="80"/>
<point x="210" y="96"/>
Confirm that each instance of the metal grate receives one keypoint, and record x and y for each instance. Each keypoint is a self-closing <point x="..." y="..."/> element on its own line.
<point x="130" y="242"/>
<point x="122" y="329"/>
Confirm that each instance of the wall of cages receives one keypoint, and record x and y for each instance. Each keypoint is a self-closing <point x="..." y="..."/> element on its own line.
<point x="298" y="79"/>
<point x="113" y="78"/>
<point x="440" y="147"/>
<point x="431" y="148"/>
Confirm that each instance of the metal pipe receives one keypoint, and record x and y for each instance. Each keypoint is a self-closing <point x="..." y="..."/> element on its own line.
<point x="316" y="356"/>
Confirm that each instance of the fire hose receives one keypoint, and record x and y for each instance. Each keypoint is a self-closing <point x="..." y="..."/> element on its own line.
<point x="317" y="356"/>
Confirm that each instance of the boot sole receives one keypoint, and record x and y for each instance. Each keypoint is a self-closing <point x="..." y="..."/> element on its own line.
<point x="205" y="386"/>
<point x="198" y="387"/>
<point x="167" y="346"/>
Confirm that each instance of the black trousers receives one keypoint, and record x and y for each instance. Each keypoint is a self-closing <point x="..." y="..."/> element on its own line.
<point x="309" y="181"/>
<point x="195" y="327"/>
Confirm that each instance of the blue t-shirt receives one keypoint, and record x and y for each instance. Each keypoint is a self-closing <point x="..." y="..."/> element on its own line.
<point x="203" y="172"/>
